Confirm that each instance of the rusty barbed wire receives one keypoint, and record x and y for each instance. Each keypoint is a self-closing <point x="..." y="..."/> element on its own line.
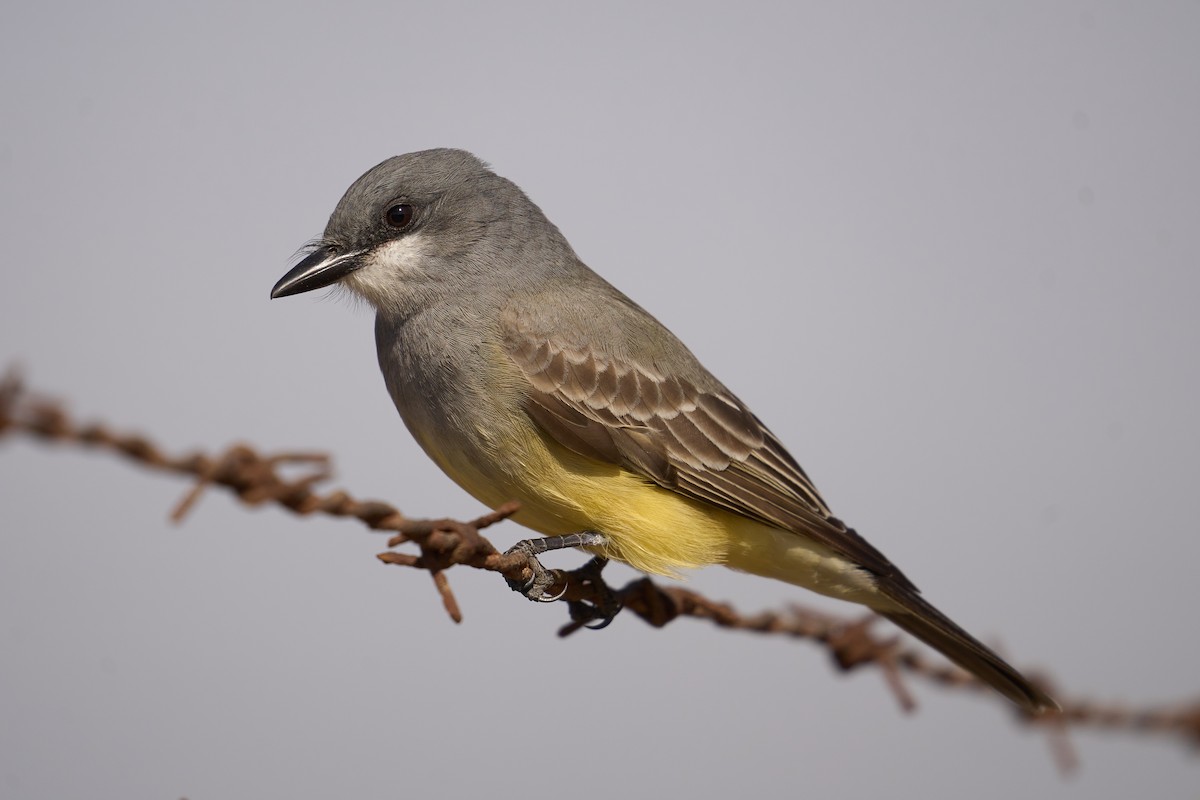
<point x="444" y="543"/>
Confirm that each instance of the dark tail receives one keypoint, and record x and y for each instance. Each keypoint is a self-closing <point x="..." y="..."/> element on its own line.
<point x="935" y="629"/>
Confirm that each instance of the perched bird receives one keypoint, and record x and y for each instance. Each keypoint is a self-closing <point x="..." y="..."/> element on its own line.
<point x="526" y="376"/>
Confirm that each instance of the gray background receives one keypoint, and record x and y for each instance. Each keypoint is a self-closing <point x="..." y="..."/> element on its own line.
<point x="948" y="254"/>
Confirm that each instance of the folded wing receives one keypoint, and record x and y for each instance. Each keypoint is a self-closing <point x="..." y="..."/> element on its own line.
<point x="706" y="445"/>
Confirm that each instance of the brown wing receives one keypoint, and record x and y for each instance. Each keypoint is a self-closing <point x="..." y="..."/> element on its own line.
<point x="703" y="444"/>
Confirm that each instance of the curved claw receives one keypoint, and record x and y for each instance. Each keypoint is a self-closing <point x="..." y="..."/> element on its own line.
<point x="546" y="599"/>
<point x="522" y="587"/>
<point x="604" y="623"/>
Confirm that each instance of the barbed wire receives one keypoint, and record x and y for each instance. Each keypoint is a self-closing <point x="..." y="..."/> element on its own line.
<point x="444" y="543"/>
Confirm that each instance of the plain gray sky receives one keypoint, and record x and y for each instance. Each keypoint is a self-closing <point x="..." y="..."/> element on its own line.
<point x="948" y="252"/>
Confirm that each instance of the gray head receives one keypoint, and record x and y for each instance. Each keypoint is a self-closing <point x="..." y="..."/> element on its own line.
<point x="426" y="225"/>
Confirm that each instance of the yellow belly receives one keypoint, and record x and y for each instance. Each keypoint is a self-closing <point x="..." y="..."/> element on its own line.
<point x="560" y="492"/>
<point x="652" y="529"/>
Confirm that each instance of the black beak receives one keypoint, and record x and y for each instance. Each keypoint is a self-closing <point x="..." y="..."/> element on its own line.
<point x="322" y="267"/>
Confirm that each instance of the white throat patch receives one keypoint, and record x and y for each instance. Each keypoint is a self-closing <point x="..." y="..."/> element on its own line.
<point x="390" y="272"/>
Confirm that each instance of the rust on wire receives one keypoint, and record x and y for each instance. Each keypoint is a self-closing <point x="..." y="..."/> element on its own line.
<point x="445" y="543"/>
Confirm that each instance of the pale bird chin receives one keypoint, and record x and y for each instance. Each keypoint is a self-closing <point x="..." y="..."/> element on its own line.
<point x="386" y="278"/>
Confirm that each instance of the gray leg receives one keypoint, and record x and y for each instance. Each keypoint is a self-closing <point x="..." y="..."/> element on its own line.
<point x="535" y="588"/>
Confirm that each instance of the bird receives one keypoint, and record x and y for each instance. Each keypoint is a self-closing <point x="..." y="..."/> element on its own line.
<point x="526" y="376"/>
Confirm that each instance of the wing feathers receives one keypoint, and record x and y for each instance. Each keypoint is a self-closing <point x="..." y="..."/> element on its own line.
<point x="703" y="444"/>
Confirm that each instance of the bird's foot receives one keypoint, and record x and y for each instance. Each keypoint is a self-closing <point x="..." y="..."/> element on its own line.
<point x="604" y="607"/>
<point x="537" y="587"/>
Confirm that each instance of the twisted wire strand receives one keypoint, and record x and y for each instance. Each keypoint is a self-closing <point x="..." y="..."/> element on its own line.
<point x="444" y="543"/>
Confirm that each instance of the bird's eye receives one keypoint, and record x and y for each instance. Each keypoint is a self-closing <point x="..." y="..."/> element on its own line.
<point x="399" y="215"/>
